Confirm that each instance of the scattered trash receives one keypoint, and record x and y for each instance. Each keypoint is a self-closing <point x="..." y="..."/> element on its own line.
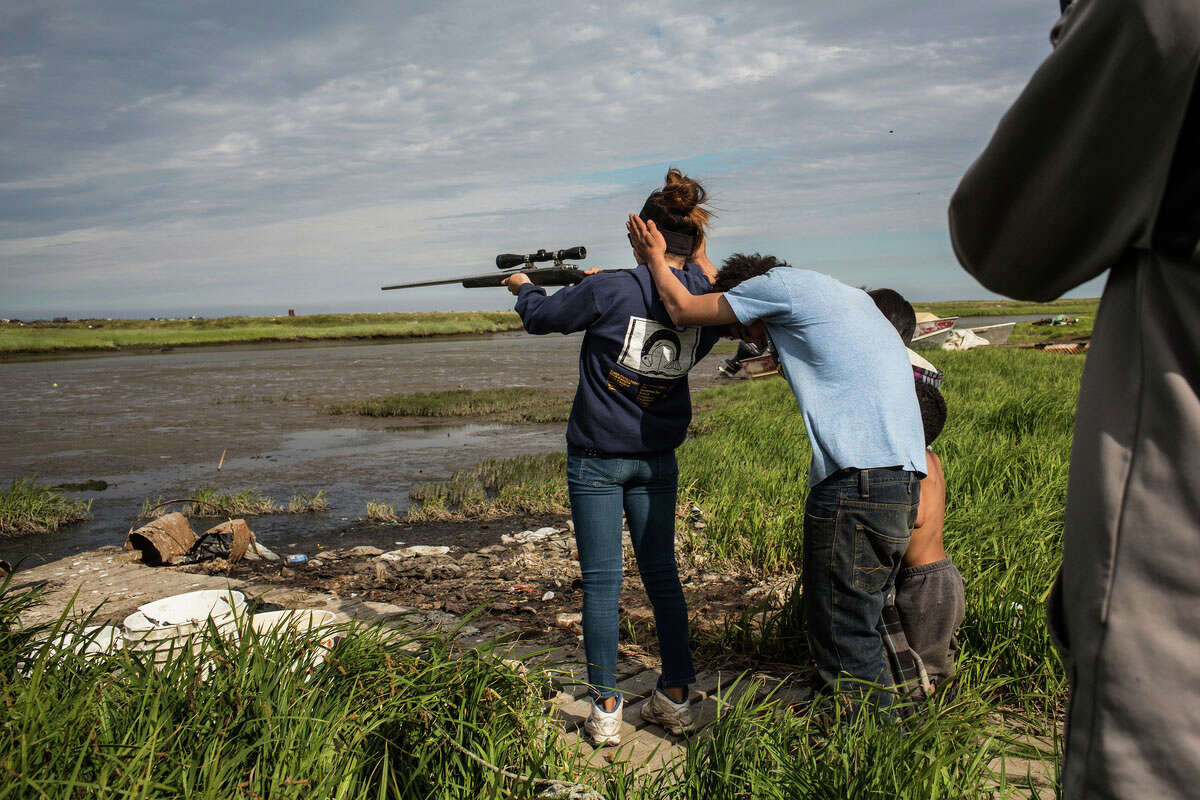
<point x="260" y="552"/>
<point x="414" y="551"/>
<point x="529" y="537"/>
<point x="300" y="621"/>
<point x="520" y="587"/>
<point x="547" y="596"/>
<point x="297" y="558"/>
<point x="1071" y="348"/>
<point x="362" y="551"/>
<point x="164" y="540"/>
<point x="1058" y="319"/>
<point x="964" y="340"/>
<point x="567" y="621"/>
<point x="94" y="641"/>
<point x="230" y="540"/>
<point x="166" y="626"/>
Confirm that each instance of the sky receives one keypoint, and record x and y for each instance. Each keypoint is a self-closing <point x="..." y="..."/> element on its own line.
<point x="170" y="158"/>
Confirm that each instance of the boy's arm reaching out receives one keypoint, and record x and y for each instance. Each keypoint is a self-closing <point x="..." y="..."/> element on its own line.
<point x="685" y="308"/>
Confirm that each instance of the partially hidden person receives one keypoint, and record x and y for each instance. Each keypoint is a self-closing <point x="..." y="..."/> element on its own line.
<point x="1096" y="167"/>
<point x="930" y="598"/>
<point x="631" y="410"/>
<point x="851" y="378"/>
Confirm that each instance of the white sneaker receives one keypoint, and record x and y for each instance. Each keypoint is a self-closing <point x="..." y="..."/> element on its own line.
<point x="604" y="727"/>
<point x="662" y="710"/>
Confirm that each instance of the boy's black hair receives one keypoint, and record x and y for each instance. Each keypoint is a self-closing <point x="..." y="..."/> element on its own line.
<point x="898" y="311"/>
<point x="933" y="411"/>
<point x="740" y="267"/>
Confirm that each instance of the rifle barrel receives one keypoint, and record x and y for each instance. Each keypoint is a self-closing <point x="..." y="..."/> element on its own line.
<point x="541" y="276"/>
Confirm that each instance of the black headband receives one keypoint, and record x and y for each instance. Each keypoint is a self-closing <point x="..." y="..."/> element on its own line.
<point x="680" y="244"/>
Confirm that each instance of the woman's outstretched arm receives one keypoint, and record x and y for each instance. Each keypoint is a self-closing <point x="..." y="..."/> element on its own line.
<point x="570" y="309"/>
<point x="684" y="307"/>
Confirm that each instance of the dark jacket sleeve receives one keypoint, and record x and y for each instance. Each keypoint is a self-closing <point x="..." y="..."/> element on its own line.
<point x="1076" y="169"/>
<point x="570" y="309"/>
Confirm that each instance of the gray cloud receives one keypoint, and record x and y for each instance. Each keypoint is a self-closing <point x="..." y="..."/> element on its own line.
<point x="306" y="152"/>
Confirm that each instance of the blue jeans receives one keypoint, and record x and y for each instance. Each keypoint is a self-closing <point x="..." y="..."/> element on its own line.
<point x="856" y="528"/>
<point x="644" y="488"/>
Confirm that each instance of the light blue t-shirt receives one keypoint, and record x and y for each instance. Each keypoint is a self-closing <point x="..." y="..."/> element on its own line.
<point x="846" y="365"/>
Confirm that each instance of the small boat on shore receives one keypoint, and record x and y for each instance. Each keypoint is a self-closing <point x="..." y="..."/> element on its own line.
<point x="928" y="323"/>
<point x="932" y="340"/>
<point x="995" y="334"/>
<point x="932" y="331"/>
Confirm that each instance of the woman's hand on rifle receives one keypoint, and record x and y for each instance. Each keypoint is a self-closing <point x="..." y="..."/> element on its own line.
<point x="515" y="281"/>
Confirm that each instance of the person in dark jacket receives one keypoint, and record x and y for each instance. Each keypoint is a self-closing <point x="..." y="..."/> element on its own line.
<point x="631" y="410"/>
<point x="1097" y="167"/>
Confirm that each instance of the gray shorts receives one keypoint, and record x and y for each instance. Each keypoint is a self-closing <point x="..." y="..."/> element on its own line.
<point x="932" y="603"/>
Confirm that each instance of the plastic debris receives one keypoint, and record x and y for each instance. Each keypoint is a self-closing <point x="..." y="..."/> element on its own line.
<point x="297" y="558"/>
<point x="170" y="625"/>
<point x="414" y="551"/>
<point x="547" y="596"/>
<point x="530" y="537"/>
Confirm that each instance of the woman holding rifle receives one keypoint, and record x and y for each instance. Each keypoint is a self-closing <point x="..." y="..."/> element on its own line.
<point x="631" y="410"/>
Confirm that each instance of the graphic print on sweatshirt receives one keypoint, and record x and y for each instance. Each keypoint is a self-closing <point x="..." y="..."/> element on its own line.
<point x="657" y="351"/>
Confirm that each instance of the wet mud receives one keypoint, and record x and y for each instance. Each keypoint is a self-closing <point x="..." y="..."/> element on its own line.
<point x="157" y="425"/>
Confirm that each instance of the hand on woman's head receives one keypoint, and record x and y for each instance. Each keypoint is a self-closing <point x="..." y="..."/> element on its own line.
<point x="646" y="239"/>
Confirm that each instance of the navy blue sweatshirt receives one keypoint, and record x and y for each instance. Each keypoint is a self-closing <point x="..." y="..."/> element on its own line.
<point x="633" y="392"/>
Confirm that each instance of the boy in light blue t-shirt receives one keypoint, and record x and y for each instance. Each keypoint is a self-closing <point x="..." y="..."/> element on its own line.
<point x="851" y="376"/>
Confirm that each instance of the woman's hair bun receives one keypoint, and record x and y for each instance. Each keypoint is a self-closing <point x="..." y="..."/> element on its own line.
<point x="682" y="198"/>
<point x="682" y="192"/>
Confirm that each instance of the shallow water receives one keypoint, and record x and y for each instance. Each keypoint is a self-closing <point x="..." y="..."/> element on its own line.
<point x="157" y="424"/>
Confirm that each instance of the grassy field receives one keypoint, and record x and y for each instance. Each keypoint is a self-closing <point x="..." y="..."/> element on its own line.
<point x="96" y="335"/>
<point x="123" y="334"/>
<point x="998" y="308"/>
<point x="28" y="507"/>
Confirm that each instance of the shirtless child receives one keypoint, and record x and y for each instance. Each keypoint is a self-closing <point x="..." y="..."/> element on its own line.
<point x="929" y="589"/>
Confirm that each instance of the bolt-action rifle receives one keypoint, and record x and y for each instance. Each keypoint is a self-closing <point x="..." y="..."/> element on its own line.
<point x="559" y="274"/>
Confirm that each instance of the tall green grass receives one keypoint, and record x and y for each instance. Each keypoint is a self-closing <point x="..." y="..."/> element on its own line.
<point x="381" y="718"/>
<point x="28" y="507"/>
<point x="395" y="715"/>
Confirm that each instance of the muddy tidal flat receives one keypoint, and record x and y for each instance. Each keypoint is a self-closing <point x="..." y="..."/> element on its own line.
<point x="156" y="425"/>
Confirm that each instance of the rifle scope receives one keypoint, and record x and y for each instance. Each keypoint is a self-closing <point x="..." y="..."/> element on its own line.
<point x="512" y="260"/>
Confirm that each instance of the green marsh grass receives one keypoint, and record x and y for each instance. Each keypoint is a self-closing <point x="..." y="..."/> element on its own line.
<point x="382" y="512"/>
<point x="518" y="404"/>
<point x="1001" y="308"/>
<point x="212" y="502"/>
<point x="495" y="488"/>
<point x="28" y="507"/>
<point x="308" y="502"/>
<point x="112" y="335"/>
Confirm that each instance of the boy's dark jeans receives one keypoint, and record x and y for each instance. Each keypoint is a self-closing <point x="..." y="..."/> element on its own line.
<point x="856" y="528"/>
